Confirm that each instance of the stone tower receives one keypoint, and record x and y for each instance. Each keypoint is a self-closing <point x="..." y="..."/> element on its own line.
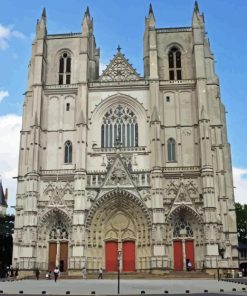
<point x="123" y="167"/>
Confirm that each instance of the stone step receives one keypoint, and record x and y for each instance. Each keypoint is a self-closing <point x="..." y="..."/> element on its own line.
<point x="135" y="275"/>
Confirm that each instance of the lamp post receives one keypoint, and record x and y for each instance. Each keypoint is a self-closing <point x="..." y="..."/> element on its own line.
<point x="118" y="271"/>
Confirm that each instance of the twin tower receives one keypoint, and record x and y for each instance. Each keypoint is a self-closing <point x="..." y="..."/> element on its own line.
<point x="122" y="167"/>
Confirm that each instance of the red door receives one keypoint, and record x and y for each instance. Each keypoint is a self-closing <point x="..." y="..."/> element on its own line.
<point x="111" y="253"/>
<point x="189" y="251"/>
<point x="178" y="255"/>
<point x="129" y="256"/>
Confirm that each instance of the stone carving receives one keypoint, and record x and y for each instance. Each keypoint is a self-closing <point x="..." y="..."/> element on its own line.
<point x="186" y="132"/>
<point x="58" y="231"/>
<point x="119" y="70"/>
<point x="118" y="175"/>
<point x="91" y="195"/>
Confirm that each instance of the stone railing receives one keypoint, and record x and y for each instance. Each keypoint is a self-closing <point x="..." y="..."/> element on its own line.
<point x="122" y="149"/>
<point x="61" y="86"/>
<point x="173" y="30"/>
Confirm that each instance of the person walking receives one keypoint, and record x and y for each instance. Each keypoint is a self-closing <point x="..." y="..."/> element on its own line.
<point x="100" y="276"/>
<point x="84" y="273"/>
<point x="56" y="273"/>
<point x="37" y="273"/>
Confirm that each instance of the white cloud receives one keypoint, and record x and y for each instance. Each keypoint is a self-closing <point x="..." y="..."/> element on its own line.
<point x="240" y="184"/>
<point x="10" y="126"/>
<point x="6" y="33"/>
<point x="3" y="94"/>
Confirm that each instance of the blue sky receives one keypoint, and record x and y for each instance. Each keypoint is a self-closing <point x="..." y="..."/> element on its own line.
<point x="122" y="22"/>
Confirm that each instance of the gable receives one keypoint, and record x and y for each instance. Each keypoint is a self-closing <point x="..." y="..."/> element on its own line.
<point x="119" y="69"/>
<point x="118" y="175"/>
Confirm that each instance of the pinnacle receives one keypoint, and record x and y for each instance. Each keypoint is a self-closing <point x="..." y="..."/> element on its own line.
<point x="196" y="7"/>
<point x="44" y="13"/>
<point x="150" y="9"/>
<point x="87" y="11"/>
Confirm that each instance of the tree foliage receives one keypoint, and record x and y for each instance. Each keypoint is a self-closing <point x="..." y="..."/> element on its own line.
<point x="7" y="225"/>
<point x="6" y="241"/>
<point x="241" y="213"/>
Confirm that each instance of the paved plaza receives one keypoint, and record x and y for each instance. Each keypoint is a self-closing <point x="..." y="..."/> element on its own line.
<point x="109" y="287"/>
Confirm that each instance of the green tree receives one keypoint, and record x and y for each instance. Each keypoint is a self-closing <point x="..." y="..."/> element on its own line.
<point x="241" y="213"/>
<point x="6" y="245"/>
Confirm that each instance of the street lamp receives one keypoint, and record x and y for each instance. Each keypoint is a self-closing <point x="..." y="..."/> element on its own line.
<point x="118" y="271"/>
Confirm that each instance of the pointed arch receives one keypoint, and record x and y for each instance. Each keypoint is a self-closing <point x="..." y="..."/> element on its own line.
<point x="123" y="200"/>
<point x="64" y="67"/>
<point x="171" y="150"/>
<point x="184" y="208"/>
<point x="68" y="152"/>
<point x="55" y="212"/>
<point x="175" y="63"/>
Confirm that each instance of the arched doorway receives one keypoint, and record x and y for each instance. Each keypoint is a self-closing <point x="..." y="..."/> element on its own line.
<point x="58" y="246"/>
<point x="53" y="240"/>
<point x="118" y="227"/>
<point x="187" y="238"/>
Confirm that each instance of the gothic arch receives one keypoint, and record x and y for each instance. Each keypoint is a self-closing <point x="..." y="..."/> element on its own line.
<point x="122" y="99"/>
<point x="120" y="198"/>
<point x="186" y="208"/>
<point x="174" y="44"/>
<point x="54" y="212"/>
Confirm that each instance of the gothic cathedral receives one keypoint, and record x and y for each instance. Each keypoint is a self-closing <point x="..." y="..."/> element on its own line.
<point x="118" y="167"/>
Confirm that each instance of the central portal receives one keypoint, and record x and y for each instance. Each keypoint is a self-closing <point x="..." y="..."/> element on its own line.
<point x="127" y="258"/>
<point x="118" y="232"/>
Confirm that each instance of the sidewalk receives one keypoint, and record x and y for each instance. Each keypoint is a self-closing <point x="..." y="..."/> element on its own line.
<point x="109" y="287"/>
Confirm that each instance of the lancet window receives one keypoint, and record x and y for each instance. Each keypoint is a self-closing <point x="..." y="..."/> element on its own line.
<point x="64" y="69"/>
<point x="68" y="152"/>
<point x="182" y="228"/>
<point x="119" y="128"/>
<point x="171" y="150"/>
<point x="175" y="68"/>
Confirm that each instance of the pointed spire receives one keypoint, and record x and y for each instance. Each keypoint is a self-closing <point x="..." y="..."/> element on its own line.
<point x="197" y="18"/>
<point x="2" y="196"/>
<point x="86" y="23"/>
<point x="196" y="7"/>
<point x="151" y="17"/>
<point x="87" y="11"/>
<point x="41" y="26"/>
<point x="44" y="13"/>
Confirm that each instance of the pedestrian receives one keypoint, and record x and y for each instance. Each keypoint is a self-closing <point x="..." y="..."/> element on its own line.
<point x="16" y="273"/>
<point x="189" y="265"/>
<point x="100" y="276"/>
<point x="37" y="273"/>
<point x="56" y="273"/>
<point x="84" y="273"/>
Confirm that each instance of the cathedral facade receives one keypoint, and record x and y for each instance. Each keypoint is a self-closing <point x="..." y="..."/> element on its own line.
<point x="120" y="168"/>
